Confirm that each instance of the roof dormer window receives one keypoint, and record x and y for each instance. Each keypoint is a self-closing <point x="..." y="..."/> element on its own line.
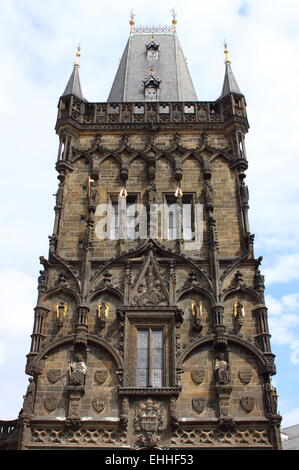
<point x="152" y="50"/>
<point x="151" y="86"/>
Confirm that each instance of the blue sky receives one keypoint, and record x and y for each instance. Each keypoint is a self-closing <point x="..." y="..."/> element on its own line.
<point x="38" y="43"/>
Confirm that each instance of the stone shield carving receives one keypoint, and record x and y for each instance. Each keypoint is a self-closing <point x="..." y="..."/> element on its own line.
<point x="50" y="403"/>
<point x="100" y="376"/>
<point x="98" y="404"/>
<point x="53" y="375"/>
<point x="245" y="375"/>
<point x="199" y="404"/>
<point x="198" y="375"/>
<point x="247" y="403"/>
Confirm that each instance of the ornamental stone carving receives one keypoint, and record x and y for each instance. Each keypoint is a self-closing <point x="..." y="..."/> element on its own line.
<point x="198" y="375"/>
<point x="50" y="403"/>
<point x="199" y="404"/>
<point x="245" y="375"/>
<point x="247" y="402"/>
<point x="148" y="419"/>
<point x="98" y="404"/>
<point x="100" y="376"/>
<point x="53" y="375"/>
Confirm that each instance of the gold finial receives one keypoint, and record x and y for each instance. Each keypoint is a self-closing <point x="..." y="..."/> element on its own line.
<point x="174" y="21"/>
<point x="226" y="52"/>
<point x="78" y="55"/>
<point x="132" y="22"/>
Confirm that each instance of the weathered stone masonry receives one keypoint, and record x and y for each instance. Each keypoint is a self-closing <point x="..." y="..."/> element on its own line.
<point x="94" y="296"/>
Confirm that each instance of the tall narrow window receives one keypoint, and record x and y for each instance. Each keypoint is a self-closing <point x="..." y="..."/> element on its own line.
<point x="123" y="217"/>
<point x="188" y="217"/>
<point x="149" y="367"/>
<point x="177" y="215"/>
<point x="172" y="218"/>
<point x="114" y="223"/>
<point x="131" y="215"/>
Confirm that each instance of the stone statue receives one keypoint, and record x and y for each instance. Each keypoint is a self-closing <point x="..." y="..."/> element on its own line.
<point x="244" y="193"/>
<point x="222" y="371"/>
<point x="29" y="397"/>
<point x="77" y="370"/>
<point x="239" y="310"/>
<point x="93" y="196"/>
<point x="59" y="195"/>
<point x="42" y="281"/>
<point x="208" y="190"/>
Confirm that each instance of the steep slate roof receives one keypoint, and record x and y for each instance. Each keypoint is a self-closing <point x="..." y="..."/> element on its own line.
<point x="74" y="86"/>
<point x="230" y="83"/>
<point x="170" y="67"/>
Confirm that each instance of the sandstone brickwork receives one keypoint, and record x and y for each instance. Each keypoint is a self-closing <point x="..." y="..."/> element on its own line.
<point x="95" y="294"/>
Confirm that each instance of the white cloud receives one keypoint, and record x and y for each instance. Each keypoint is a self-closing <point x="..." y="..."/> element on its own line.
<point x="283" y="269"/>
<point x="283" y="323"/>
<point x="18" y="299"/>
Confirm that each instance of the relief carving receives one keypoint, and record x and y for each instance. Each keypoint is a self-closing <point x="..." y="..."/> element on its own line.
<point x="245" y="375"/>
<point x="98" y="404"/>
<point x="199" y="404"/>
<point x="100" y="376"/>
<point x="53" y="375"/>
<point x="198" y="375"/>
<point x="149" y="420"/>
<point x="247" y="403"/>
<point x="50" y="403"/>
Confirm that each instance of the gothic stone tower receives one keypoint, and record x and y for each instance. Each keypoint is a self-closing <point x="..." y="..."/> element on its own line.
<point x="151" y="328"/>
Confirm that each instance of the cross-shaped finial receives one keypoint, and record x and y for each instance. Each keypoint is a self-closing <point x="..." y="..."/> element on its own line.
<point x="174" y="21"/>
<point x="225" y="51"/>
<point x="78" y="54"/>
<point x="132" y="22"/>
<point x="132" y="15"/>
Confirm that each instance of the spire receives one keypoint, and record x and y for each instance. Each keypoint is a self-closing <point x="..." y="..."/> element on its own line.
<point x="230" y="84"/>
<point x="74" y="86"/>
<point x="157" y="48"/>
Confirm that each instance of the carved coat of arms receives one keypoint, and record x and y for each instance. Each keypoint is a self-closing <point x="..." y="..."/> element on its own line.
<point x="98" y="404"/>
<point x="50" y="403"/>
<point x="100" y="376"/>
<point x="247" y="403"/>
<point x="54" y="375"/>
<point x="245" y="375"/>
<point x="198" y="375"/>
<point x="199" y="404"/>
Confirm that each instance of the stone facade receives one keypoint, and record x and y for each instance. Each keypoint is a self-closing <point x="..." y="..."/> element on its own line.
<point x="96" y="294"/>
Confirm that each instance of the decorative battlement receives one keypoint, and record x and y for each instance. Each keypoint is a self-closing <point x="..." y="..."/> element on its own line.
<point x="149" y="112"/>
<point x="153" y="29"/>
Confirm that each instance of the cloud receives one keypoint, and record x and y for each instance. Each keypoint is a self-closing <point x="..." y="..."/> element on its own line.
<point x="284" y="324"/>
<point x="17" y="302"/>
<point x="284" y="269"/>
